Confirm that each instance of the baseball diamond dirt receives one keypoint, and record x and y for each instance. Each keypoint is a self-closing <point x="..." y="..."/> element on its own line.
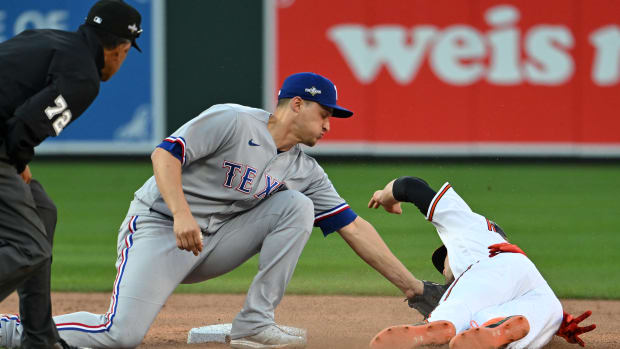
<point x="338" y="322"/>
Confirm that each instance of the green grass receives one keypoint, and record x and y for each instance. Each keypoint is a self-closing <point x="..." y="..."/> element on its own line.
<point x="565" y="216"/>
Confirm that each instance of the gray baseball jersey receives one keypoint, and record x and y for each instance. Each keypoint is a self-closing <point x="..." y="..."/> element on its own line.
<point x="231" y="163"/>
<point x="234" y="180"/>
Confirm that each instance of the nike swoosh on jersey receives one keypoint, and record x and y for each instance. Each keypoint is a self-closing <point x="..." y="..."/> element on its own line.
<point x="251" y="142"/>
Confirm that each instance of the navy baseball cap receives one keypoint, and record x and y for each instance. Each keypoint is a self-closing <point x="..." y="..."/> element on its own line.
<point x="116" y="17"/>
<point x="313" y="87"/>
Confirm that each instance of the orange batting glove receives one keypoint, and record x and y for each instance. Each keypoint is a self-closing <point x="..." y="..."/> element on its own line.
<point x="570" y="329"/>
<point x="496" y="249"/>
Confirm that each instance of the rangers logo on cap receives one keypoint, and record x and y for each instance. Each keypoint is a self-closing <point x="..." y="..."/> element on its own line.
<point x="321" y="91"/>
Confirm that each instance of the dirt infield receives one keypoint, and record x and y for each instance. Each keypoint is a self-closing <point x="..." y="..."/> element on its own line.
<point x="338" y="322"/>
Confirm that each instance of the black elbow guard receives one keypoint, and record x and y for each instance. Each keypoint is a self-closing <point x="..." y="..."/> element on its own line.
<point x="414" y="190"/>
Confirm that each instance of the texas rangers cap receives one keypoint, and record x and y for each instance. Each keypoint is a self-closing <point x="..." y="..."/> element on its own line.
<point x="116" y="17"/>
<point x="313" y="87"/>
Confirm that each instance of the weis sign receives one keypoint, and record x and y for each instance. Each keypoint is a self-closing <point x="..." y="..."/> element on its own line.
<point x="466" y="77"/>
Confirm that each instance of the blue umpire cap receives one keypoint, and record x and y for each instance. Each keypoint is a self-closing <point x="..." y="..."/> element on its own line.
<point x="313" y="87"/>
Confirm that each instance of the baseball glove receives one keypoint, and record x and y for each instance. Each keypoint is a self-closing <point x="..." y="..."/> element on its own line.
<point x="428" y="301"/>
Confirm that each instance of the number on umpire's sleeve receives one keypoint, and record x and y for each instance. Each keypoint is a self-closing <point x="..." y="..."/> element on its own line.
<point x="60" y="108"/>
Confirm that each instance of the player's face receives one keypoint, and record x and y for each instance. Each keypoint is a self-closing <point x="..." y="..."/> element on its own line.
<point x="314" y="122"/>
<point x="113" y="59"/>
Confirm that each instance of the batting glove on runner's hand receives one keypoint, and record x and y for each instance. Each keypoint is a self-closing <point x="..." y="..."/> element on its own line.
<point x="429" y="299"/>
<point x="570" y="329"/>
<point x="496" y="249"/>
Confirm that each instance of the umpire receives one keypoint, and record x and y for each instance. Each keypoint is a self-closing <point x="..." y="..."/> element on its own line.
<point x="47" y="79"/>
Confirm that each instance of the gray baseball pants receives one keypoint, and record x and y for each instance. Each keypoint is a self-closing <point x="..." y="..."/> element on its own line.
<point x="150" y="266"/>
<point x="27" y="223"/>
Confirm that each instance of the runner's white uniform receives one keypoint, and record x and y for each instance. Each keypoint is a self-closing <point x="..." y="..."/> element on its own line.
<point x="485" y="288"/>
<point x="246" y="197"/>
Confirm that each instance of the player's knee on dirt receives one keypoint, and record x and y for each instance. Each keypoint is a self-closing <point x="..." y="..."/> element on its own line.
<point x="130" y="340"/>
<point x="126" y="338"/>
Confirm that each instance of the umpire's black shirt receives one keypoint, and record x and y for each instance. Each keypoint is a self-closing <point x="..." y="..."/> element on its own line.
<point x="47" y="79"/>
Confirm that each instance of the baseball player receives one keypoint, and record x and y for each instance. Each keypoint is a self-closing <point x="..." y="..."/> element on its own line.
<point x="48" y="78"/>
<point x="229" y="184"/>
<point x="496" y="296"/>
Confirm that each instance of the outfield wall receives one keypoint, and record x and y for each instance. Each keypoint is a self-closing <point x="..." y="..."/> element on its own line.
<point x="460" y="78"/>
<point x="424" y="77"/>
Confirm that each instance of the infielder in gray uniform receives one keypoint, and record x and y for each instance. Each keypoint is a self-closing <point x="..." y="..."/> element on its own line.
<point x="229" y="184"/>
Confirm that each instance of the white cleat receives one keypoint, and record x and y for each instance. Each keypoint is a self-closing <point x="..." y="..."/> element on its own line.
<point x="272" y="337"/>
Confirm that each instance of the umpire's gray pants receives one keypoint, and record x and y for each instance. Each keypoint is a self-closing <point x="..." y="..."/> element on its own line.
<point x="26" y="212"/>
<point x="150" y="266"/>
<point x="24" y="247"/>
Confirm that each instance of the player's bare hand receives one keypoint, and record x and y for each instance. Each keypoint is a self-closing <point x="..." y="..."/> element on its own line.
<point x="26" y="175"/>
<point x="188" y="233"/>
<point x="385" y="198"/>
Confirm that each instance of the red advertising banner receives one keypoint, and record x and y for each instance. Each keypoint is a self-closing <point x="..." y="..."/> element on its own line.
<point x="461" y="77"/>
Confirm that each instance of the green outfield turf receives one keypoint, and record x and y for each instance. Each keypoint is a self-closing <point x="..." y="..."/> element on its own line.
<point x="565" y="216"/>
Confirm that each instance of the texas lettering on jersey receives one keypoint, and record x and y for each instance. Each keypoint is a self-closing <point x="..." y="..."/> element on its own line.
<point x="244" y="185"/>
<point x="230" y="164"/>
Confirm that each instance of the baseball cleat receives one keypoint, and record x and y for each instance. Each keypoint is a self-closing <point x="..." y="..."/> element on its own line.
<point x="272" y="337"/>
<point x="492" y="336"/>
<point x="414" y="336"/>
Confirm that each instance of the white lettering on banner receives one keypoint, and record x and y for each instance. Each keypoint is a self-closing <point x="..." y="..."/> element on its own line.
<point x="403" y="61"/>
<point x="454" y="45"/>
<point x="458" y="52"/>
<point x="33" y="19"/>
<point x="606" y="67"/>
<point x="547" y="63"/>
<point x="504" y="42"/>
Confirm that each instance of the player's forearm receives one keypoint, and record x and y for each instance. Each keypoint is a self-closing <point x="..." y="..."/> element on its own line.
<point x="366" y="242"/>
<point x="167" y="170"/>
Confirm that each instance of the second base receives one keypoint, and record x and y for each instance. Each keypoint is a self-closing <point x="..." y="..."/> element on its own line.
<point x="220" y="333"/>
